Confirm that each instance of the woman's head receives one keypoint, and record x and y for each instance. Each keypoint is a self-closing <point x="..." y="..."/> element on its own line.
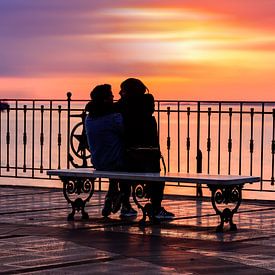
<point x="132" y="86"/>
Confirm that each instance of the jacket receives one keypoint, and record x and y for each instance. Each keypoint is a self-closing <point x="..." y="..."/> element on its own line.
<point x="105" y="139"/>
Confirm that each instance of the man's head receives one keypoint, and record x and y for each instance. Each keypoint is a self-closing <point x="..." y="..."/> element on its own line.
<point x="132" y="86"/>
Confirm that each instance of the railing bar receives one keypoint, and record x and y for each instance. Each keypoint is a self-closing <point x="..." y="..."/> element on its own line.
<point x="8" y="139"/>
<point x="59" y="136"/>
<point x="68" y="127"/>
<point x="214" y="101"/>
<point x="162" y="101"/>
<point x="230" y="141"/>
<point x="209" y="140"/>
<point x="179" y="137"/>
<point x="158" y="129"/>
<point x="199" y="153"/>
<point x="205" y="112"/>
<point x="168" y="138"/>
<point x="33" y="135"/>
<point x="158" y="111"/>
<point x="204" y="187"/>
<point x="25" y="138"/>
<point x="198" y="126"/>
<point x="50" y="135"/>
<point x="262" y="146"/>
<point x="219" y="139"/>
<point x="273" y="147"/>
<point x="188" y="140"/>
<point x="251" y="140"/>
<point x="16" y="137"/>
<point x="27" y="168"/>
<point x="38" y="169"/>
<point x="0" y="141"/>
<point x="41" y="138"/>
<point x="241" y="138"/>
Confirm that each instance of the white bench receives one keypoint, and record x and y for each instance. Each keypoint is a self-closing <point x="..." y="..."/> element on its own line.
<point x="225" y="189"/>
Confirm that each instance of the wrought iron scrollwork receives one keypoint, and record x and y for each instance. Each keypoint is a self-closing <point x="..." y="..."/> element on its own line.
<point x="79" y="144"/>
<point x="224" y="195"/>
<point x="74" y="187"/>
<point x="141" y="198"/>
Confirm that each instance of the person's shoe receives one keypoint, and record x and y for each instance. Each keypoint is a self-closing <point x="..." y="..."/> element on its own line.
<point x="106" y="211"/>
<point x="117" y="200"/>
<point x="164" y="214"/>
<point x="127" y="211"/>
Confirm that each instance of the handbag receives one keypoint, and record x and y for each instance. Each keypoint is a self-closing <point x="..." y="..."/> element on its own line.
<point x="144" y="159"/>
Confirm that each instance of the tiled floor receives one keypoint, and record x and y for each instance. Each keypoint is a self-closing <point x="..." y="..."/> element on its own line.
<point x="36" y="238"/>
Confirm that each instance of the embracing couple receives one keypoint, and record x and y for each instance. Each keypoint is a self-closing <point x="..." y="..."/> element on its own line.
<point x="112" y="130"/>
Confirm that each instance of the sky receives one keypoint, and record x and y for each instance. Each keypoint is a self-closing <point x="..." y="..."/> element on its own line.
<point x="181" y="49"/>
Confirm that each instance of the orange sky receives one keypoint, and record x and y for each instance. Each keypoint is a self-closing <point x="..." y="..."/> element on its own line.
<point x="201" y="50"/>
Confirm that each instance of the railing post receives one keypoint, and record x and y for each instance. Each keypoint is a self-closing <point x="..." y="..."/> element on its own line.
<point x="25" y="138"/>
<point x="188" y="138"/>
<point x="69" y="95"/>
<point x="199" y="152"/>
<point x="41" y="138"/>
<point x="50" y="134"/>
<point x="262" y="144"/>
<point x="8" y="139"/>
<point x="273" y="147"/>
<point x="251" y="144"/>
<point x="0" y="143"/>
<point x="179" y="147"/>
<point x="241" y="138"/>
<point x="16" y="138"/>
<point x="219" y="138"/>
<point x="208" y="144"/>
<point x="59" y="137"/>
<point x="168" y="143"/>
<point x="230" y="140"/>
<point x="199" y="170"/>
<point x="33" y="138"/>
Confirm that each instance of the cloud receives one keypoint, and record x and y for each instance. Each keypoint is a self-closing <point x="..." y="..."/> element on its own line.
<point x="33" y="18"/>
<point x="166" y="39"/>
<point x="41" y="37"/>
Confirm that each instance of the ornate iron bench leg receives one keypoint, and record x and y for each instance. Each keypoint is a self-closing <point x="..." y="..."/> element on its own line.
<point x="75" y="187"/>
<point x="140" y="199"/>
<point x="225" y="195"/>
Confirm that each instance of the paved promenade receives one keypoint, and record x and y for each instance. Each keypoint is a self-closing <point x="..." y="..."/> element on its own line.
<point x="36" y="238"/>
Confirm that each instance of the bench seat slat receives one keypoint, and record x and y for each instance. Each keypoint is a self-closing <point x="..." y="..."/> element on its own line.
<point x="168" y="177"/>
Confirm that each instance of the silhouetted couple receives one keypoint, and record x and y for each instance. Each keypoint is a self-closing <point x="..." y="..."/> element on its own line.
<point x="112" y="130"/>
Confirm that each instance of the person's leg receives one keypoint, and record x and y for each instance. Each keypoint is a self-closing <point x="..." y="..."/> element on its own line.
<point x="156" y="200"/>
<point x="110" y="197"/>
<point x="156" y="195"/>
<point x="121" y="195"/>
<point x="113" y="188"/>
<point x="125" y="189"/>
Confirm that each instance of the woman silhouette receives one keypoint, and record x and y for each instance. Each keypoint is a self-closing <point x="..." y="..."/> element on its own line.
<point x="140" y="130"/>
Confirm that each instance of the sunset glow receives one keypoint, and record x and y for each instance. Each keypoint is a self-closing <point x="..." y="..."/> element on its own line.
<point x="202" y="50"/>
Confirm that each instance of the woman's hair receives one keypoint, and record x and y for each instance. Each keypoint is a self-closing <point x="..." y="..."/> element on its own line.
<point x="133" y="86"/>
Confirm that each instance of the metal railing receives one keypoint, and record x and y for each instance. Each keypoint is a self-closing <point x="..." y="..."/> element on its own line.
<point x="215" y="137"/>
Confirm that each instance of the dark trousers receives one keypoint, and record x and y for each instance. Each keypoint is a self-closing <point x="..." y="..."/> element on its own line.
<point x="154" y="191"/>
<point x="124" y="188"/>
